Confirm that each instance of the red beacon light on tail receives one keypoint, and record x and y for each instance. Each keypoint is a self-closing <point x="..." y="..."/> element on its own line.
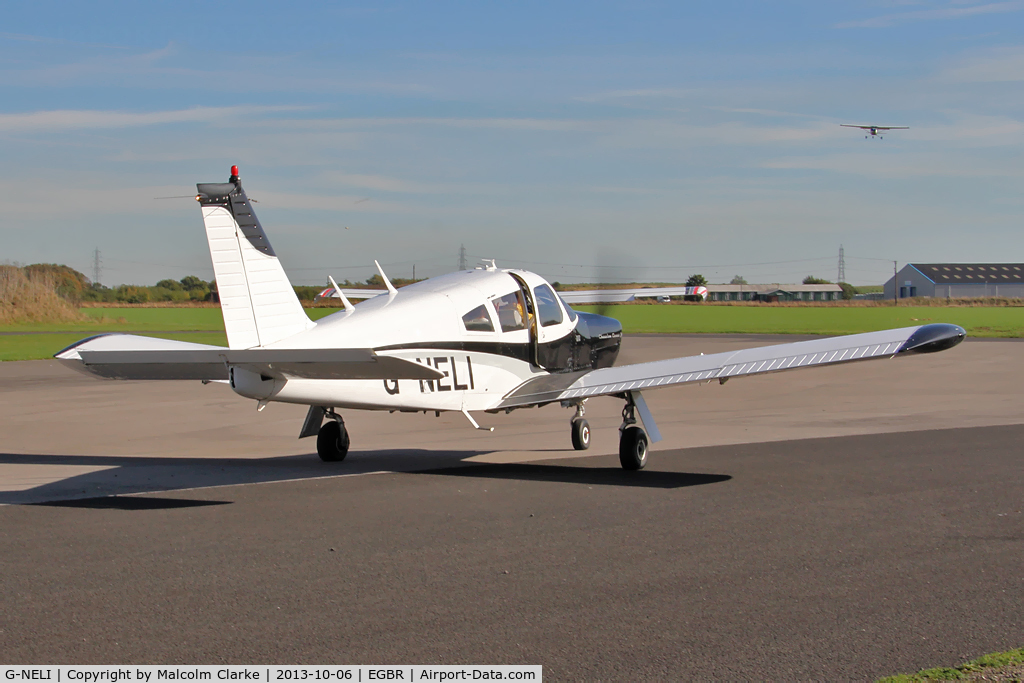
<point x="234" y="171"/>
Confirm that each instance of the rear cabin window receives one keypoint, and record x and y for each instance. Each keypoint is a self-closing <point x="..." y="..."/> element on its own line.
<point x="511" y="312"/>
<point x="548" y="310"/>
<point x="478" y="320"/>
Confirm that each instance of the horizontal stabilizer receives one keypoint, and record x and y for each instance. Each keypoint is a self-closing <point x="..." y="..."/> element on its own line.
<point x="122" y="356"/>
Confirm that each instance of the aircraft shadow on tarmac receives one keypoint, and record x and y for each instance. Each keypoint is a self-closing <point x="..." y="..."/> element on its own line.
<point x="110" y="476"/>
<point x="131" y="503"/>
<point x="601" y="476"/>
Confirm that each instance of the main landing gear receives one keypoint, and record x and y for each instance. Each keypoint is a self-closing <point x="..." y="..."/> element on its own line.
<point x="332" y="440"/>
<point x="632" y="439"/>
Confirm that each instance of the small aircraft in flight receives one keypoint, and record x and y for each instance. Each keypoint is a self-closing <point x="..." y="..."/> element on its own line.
<point x="874" y="129"/>
<point x="490" y="339"/>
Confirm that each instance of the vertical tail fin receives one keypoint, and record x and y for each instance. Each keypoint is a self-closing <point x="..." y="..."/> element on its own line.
<point x="256" y="298"/>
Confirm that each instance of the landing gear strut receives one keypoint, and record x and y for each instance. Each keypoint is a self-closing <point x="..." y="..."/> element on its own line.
<point x="632" y="439"/>
<point x="332" y="439"/>
<point x="580" y="430"/>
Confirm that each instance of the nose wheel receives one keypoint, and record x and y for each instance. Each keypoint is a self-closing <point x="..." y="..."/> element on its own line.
<point x="332" y="440"/>
<point x="580" y="427"/>
<point x="580" y="434"/>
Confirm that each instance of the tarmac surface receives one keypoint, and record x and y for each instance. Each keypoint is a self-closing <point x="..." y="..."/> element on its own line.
<point x="837" y="523"/>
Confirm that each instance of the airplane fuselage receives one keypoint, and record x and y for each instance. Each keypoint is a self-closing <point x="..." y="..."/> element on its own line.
<point x="485" y="331"/>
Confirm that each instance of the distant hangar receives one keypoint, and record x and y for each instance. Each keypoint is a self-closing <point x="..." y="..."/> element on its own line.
<point x="957" y="280"/>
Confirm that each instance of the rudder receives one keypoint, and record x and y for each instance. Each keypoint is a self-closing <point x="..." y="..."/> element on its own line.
<point x="257" y="300"/>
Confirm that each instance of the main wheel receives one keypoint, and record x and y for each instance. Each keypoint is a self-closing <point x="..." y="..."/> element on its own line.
<point x="580" y="434"/>
<point x="633" y="448"/>
<point x="332" y="442"/>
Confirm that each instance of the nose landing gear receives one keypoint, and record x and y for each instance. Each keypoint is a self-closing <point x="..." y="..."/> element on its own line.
<point x="332" y="440"/>
<point x="580" y="430"/>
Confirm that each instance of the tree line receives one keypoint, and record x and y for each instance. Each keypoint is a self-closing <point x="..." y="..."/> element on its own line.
<point x="75" y="287"/>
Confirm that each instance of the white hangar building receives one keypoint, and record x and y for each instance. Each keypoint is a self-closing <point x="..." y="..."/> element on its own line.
<point x="958" y="280"/>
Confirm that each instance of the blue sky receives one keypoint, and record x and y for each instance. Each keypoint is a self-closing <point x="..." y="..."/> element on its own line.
<point x="661" y="138"/>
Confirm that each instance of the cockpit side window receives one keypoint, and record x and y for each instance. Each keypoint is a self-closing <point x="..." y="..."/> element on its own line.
<point x="478" y="320"/>
<point x="548" y="310"/>
<point x="511" y="311"/>
<point x="568" y="309"/>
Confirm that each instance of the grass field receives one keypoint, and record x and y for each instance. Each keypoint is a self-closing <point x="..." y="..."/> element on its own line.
<point x="36" y="346"/>
<point x="205" y="325"/>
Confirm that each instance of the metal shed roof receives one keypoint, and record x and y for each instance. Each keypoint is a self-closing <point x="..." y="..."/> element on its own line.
<point x="966" y="273"/>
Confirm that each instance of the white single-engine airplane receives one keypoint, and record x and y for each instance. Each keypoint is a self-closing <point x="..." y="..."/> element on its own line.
<point x="874" y="129"/>
<point x="489" y="339"/>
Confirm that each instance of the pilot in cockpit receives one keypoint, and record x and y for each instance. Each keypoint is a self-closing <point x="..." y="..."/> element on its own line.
<point x="511" y="312"/>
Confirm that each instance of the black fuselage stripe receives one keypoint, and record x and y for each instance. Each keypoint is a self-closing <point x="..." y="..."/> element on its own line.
<point x="506" y="349"/>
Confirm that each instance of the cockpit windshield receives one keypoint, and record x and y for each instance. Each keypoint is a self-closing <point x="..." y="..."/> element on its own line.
<point x="548" y="310"/>
<point x="511" y="311"/>
<point x="568" y="309"/>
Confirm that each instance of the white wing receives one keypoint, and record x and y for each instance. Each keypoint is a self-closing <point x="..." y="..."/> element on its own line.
<point x="722" y="366"/>
<point x="127" y="356"/>
<point x="853" y="125"/>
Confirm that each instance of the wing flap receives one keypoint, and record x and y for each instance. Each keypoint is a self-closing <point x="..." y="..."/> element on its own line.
<point x="722" y="366"/>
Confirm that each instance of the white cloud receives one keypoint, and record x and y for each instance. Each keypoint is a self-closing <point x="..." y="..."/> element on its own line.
<point x="973" y="129"/>
<point x="674" y="93"/>
<point x="69" y="119"/>
<point x="897" y="167"/>
<point x="325" y="202"/>
<point x="38" y="197"/>
<point x="765" y="112"/>
<point x="951" y="11"/>
<point x="57" y="41"/>
<point x="1004" y="64"/>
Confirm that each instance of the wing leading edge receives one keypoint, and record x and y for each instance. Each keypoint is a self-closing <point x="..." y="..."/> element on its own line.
<point x="722" y="366"/>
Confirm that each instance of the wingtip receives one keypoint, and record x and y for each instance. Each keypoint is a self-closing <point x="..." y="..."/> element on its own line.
<point x="71" y="352"/>
<point x="933" y="338"/>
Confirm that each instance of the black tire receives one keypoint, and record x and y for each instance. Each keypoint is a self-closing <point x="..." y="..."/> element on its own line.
<point x="633" y="448"/>
<point x="332" y="442"/>
<point x="580" y="434"/>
